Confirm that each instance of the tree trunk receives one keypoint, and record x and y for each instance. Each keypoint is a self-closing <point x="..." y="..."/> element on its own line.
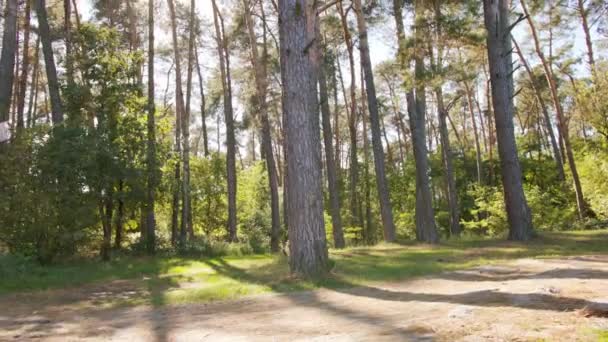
<point x="7" y="65"/>
<point x="374" y="116"/>
<point x="120" y="216"/>
<point x="496" y="16"/>
<point x="224" y="57"/>
<point x="261" y="80"/>
<point x="179" y="114"/>
<point x="426" y="230"/>
<point x="588" y="42"/>
<point x="299" y="65"/>
<point x="478" y="161"/>
<point x="356" y="218"/>
<point x="186" y="199"/>
<point x="24" y="67"/>
<point x="150" y="222"/>
<point x="49" y="61"/>
<point x="583" y="208"/>
<point x="203" y="113"/>
<point x="33" y="101"/>
<point x="543" y="106"/>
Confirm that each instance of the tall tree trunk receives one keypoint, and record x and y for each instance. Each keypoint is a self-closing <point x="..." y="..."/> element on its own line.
<point x="261" y="80"/>
<point x="446" y="151"/>
<point x="179" y="114"/>
<point x="67" y="29"/>
<point x="356" y="218"/>
<point x="299" y="65"/>
<point x="25" y="66"/>
<point x="583" y="208"/>
<point x="7" y="65"/>
<point x="374" y="117"/>
<point x="186" y="199"/>
<point x="426" y="229"/>
<point x="49" y="61"/>
<point x="547" y="118"/>
<point x="120" y="215"/>
<point x="203" y="112"/>
<point x="222" y="47"/>
<point x="496" y="17"/>
<point x="151" y="144"/>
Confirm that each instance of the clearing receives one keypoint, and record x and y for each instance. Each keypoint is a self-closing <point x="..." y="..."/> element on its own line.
<point x="468" y="290"/>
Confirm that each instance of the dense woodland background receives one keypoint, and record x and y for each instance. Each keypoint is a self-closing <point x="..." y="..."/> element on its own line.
<point x="273" y="120"/>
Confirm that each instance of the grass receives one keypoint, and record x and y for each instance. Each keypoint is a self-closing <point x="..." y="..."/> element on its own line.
<point x="162" y="281"/>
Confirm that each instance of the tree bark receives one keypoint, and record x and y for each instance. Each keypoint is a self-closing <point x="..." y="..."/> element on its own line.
<point x="299" y="65"/>
<point x="25" y="60"/>
<point x="203" y="111"/>
<point x="374" y="117"/>
<point x="224" y="58"/>
<point x="356" y="218"/>
<point x="496" y="18"/>
<point x="426" y="230"/>
<point x="7" y="64"/>
<point x="150" y="225"/>
<point x="49" y="61"/>
<point x="179" y="115"/>
<point x="186" y="200"/>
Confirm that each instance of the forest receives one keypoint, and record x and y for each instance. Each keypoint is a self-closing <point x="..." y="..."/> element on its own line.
<point x="291" y="145"/>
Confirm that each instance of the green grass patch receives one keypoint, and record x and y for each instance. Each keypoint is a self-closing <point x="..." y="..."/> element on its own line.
<point x="162" y="281"/>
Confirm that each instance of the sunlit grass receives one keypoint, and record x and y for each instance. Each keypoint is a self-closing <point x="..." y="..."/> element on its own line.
<point x="175" y="280"/>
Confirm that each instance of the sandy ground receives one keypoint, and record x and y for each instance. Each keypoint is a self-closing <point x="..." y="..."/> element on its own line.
<point x="524" y="300"/>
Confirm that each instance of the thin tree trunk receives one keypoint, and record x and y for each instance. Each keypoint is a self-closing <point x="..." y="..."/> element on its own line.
<point x="583" y="208"/>
<point x="374" y="116"/>
<point x="33" y="101"/>
<point x="299" y="65"/>
<point x="179" y="114"/>
<point x="356" y="218"/>
<point x="261" y="80"/>
<point x="186" y="199"/>
<point x="478" y="161"/>
<point x="150" y="222"/>
<point x="25" y="66"/>
<point x="543" y="106"/>
<point x="203" y="112"/>
<point x="588" y="41"/>
<point x="496" y="16"/>
<point x="224" y="57"/>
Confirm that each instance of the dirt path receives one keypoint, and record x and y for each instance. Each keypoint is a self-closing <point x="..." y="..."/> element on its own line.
<point x="525" y="300"/>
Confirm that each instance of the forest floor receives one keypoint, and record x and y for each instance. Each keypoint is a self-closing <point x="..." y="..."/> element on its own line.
<point x="461" y="291"/>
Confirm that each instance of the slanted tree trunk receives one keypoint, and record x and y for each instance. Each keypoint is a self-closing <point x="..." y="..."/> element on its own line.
<point x="496" y="18"/>
<point x="25" y="60"/>
<point x="179" y="115"/>
<point x="547" y="118"/>
<point x="374" y="117"/>
<point x="299" y="65"/>
<point x="261" y="81"/>
<point x="582" y="12"/>
<point x="49" y="61"/>
<point x="7" y="64"/>
<point x="224" y="58"/>
<point x="150" y="222"/>
<point x="583" y="208"/>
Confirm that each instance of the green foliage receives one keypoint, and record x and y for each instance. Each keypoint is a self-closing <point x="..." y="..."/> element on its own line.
<point x="253" y="205"/>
